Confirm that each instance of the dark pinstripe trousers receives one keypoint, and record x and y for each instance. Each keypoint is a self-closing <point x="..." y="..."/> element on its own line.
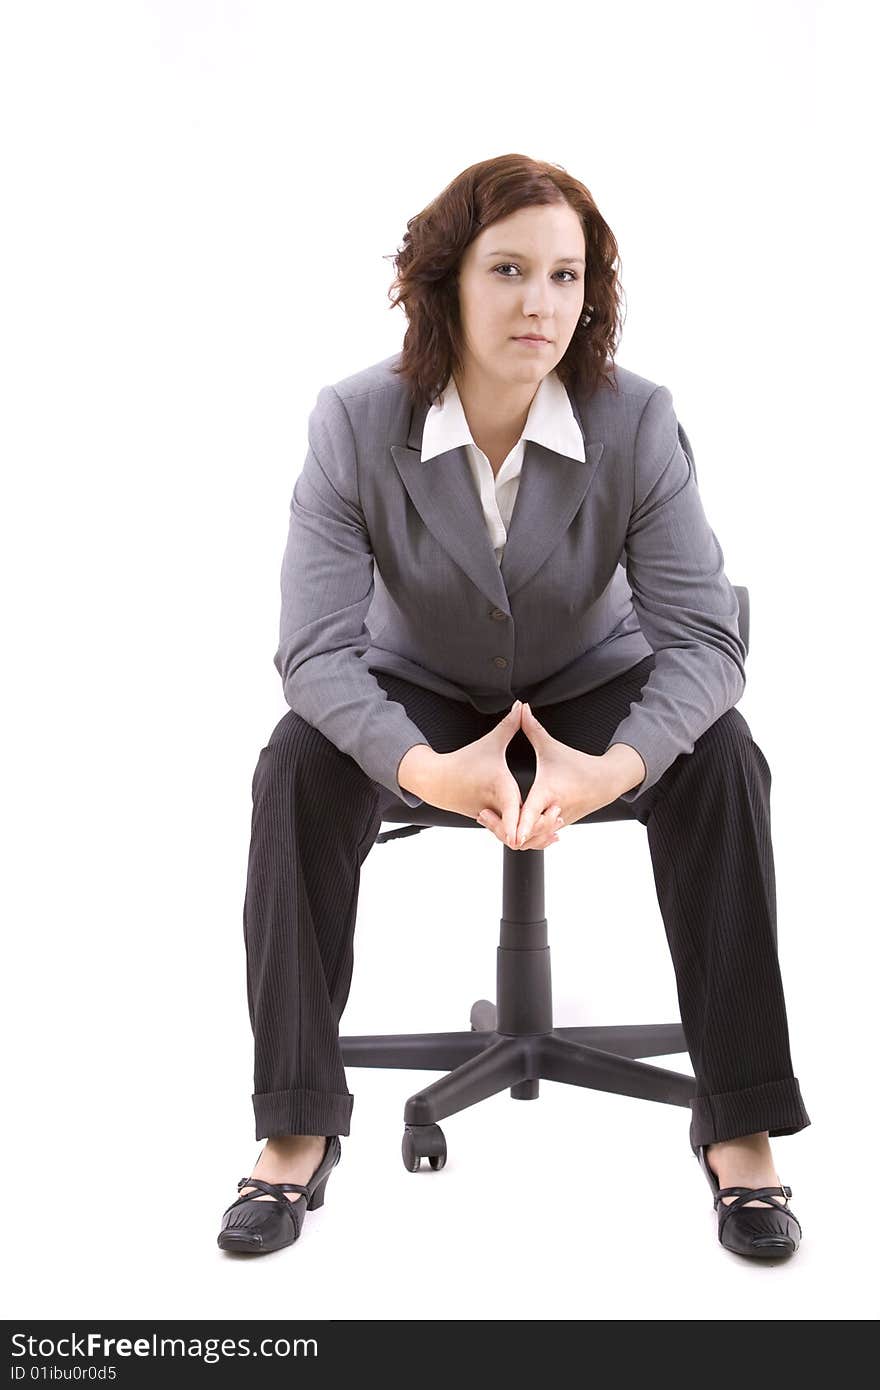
<point x="315" y="818"/>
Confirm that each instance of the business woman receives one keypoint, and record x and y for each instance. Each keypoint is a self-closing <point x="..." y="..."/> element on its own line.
<point x="497" y="535"/>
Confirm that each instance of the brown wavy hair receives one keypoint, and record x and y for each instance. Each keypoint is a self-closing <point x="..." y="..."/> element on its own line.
<point x="435" y="241"/>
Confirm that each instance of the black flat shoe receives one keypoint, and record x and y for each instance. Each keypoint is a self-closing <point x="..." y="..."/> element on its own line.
<point x="769" y="1232"/>
<point x="254" y="1227"/>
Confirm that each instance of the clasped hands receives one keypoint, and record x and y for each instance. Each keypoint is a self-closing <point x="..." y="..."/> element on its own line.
<point x="476" y="781"/>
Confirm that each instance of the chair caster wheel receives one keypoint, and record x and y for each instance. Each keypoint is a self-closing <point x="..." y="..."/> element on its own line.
<point x="484" y="1016"/>
<point x="423" y="1141"/>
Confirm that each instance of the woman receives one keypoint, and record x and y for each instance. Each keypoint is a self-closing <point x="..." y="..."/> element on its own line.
<point x="622" y="679"/>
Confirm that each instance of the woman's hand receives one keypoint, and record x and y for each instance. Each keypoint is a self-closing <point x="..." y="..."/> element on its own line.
<point x="568" y="785"/>
<point x="477" y="776"/>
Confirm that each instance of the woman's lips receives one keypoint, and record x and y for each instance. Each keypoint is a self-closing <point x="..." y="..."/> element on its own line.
<point x="532" y="342"/>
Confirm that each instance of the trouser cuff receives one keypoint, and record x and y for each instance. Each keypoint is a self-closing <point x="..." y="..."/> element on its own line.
<point x="776" y="1106"/>
<point x="302" y="1112"/>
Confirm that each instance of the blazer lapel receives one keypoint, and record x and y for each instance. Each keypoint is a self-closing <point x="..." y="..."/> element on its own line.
<point x="552" y="487"/>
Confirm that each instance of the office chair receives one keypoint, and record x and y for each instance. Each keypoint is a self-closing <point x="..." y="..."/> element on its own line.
<point x="512" y="1042"/>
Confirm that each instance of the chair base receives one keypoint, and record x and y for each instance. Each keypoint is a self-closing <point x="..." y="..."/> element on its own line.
<point x="483" y="1062"/>
<point x="514" y="1044"/>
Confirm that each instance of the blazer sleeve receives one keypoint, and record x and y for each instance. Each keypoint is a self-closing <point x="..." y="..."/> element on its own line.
<point x="686" y="606"/>
<point x="326" y="588"/>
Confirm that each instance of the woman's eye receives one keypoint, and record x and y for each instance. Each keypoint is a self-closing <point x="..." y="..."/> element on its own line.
<point x="510" y="264"/>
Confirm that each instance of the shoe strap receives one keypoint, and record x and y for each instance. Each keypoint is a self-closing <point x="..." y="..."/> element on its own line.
<point x="748" y="1194"/>
<point x="277" y="1189"/>
<point x="273" y="1189"/>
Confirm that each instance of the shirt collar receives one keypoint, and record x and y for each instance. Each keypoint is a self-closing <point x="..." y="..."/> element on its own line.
<point x="551" y="421"/>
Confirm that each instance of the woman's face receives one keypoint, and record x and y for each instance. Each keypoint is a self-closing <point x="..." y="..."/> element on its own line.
<point x="523" y="274"/>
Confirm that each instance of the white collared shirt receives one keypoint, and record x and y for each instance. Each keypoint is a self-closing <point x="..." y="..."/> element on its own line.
<point x="550" y="421"/>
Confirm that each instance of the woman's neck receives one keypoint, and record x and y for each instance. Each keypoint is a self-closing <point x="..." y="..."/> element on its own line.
<point x="495" y="422"/>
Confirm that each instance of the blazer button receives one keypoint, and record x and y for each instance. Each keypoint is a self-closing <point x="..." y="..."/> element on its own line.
<point x="498" y="614"/>
<point x="500" y="661"/>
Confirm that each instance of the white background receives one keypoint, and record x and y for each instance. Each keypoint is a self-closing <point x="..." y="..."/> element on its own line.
<point x="202" y="201"/>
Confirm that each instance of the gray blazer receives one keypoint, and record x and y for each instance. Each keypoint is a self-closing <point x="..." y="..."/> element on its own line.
<point x="389" y="567"/>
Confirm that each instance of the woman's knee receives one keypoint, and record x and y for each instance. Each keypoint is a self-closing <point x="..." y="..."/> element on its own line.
<point x="298" y="751"/>
<point x="729" y="742"/>
<point x="290" y="732"/>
